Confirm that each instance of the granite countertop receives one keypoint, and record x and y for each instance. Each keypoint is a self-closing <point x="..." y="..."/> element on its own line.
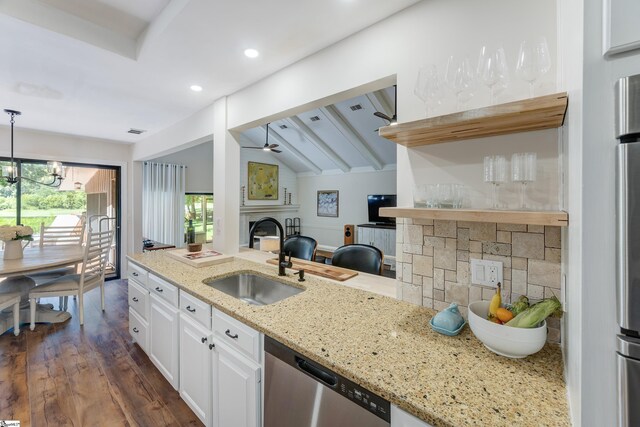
<point x="387" y="346"/>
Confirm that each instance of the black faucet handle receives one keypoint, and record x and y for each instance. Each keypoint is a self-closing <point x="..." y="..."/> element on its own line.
<point x="301" y="275"/>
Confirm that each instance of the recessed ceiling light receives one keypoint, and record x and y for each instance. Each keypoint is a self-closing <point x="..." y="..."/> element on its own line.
<point x="251" y="53"/>
<point x="196" y="88"/>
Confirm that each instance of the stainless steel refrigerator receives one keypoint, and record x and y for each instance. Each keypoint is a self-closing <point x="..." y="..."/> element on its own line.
<point x="628" y="246"/>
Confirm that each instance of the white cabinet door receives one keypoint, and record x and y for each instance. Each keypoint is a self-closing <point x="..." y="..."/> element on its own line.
<point x="236" y="389"/>
<point x="399" y="418"/>
<point x="365" y="235"/>
<point x="195" y="367"/>
<point x="163" y="343"/>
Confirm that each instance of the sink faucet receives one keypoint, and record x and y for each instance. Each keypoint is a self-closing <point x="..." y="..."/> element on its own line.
<point x="282" y="263"/>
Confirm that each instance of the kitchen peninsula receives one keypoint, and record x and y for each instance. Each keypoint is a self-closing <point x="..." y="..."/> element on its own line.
<point x="386" y="346"/>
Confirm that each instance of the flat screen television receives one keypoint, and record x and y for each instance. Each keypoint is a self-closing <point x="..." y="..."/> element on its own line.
<point x="377" y="201"/>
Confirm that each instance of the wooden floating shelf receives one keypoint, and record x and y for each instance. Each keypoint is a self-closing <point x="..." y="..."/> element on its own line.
<point x="553" y="218"/>
<point x="544" y="112"/>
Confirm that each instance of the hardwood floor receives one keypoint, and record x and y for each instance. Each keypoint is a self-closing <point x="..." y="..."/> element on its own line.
<point x="67" y="375"/>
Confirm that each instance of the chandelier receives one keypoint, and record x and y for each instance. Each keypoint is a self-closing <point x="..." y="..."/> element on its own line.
<point x="10" y="173"/>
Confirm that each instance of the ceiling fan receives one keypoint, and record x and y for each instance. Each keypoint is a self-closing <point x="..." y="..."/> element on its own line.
<point x="392" y="120"/>
<point x="267" y="146"/>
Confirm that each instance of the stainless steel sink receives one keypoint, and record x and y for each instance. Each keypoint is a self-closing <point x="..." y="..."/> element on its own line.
<point x="256" y="290"/>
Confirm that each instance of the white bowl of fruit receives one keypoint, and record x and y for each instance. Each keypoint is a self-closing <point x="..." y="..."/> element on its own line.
<point x="514" y="331"/>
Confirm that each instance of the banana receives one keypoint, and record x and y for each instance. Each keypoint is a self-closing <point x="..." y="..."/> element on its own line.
<point x="496" y="301"/>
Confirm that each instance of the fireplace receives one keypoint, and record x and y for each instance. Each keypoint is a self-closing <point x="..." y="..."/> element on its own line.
<point x="265" y="229"/>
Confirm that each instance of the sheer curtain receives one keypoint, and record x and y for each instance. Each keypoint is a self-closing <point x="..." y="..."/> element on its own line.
<point x="163" y="187"/>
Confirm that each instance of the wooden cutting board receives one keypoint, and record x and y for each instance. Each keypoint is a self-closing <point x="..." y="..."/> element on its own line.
<point x="204" y="258"/>
<point x="329" y="271"/>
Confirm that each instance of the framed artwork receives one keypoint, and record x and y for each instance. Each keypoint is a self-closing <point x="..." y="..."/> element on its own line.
<point x="262" y="181"/>
<point x="328" y="203"/>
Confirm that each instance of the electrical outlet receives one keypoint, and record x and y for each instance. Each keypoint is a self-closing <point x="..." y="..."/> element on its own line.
<point x="486" y="273"/>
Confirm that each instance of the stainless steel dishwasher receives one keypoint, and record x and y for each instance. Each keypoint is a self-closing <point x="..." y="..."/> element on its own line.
<point x="301" y="393"/>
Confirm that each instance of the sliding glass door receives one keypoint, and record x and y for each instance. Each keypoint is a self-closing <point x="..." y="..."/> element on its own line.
<point x="87" y="193"/>
<point x="198" y="208"/>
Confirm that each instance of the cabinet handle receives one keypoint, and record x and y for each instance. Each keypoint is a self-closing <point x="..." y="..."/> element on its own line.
<point x="228" y="333"/>
<point x="134" y="274"/>
<point x="158" y="288"/>
<point x="135" y="299"/>
<point x="191" y="310"/>
<point x="203" y="339"/>
<point x="136" y="330"/>
<point x="211" y="346"/>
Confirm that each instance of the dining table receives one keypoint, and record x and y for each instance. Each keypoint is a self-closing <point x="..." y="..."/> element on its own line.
<point x="34" y="260"/>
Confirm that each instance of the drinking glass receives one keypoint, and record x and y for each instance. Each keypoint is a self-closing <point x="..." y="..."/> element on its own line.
<point x="429" y="88"/>
<point x="493" y="71"/>
<point x="461" y="79"/>
<point x="534" y="60"/>
<point x="495" y="173"/>
<point x="523" y="170"/>
<point x="432" y="196"/>
<point x="420" y="196"/>
<point x="450" y="196"/>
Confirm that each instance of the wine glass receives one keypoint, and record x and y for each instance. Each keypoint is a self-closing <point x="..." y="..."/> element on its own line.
<point x="523" y="170"/>
<point x="534" y="60"/>
<point x="494" y="72"/>
<point x="495" y="173"/>
<point x="460" y="78"/>
<point x="429" y="88"/>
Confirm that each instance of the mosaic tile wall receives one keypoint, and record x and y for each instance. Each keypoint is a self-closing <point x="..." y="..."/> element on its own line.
<point x="433" y="267"/>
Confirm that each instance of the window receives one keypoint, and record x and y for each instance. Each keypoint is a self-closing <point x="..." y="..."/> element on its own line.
<point x="87" y="191"/>
<point x="199" y="208"/>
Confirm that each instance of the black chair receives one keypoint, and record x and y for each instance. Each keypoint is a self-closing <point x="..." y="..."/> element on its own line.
<point x="365" y="258"/>
<point x="302" y="247"/>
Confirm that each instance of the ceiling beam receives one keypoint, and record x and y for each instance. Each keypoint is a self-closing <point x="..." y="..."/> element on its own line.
<point x="312" y="137"/>
<point x="380" y="102"/>
<point x="352" y="135"/>
<point x="283" y="142"/>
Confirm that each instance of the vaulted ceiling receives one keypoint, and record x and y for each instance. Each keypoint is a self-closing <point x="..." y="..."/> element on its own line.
<point x="339" y="137"/>
<point x="100" y="67"/>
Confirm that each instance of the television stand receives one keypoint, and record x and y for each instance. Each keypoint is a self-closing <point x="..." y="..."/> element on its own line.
<point x="382" y="236"/>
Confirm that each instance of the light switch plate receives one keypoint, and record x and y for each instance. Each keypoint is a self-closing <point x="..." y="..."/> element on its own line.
<point x="486" y="273"/>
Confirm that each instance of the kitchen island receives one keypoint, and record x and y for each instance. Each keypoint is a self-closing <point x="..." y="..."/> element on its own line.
<point x="386" y="346"/>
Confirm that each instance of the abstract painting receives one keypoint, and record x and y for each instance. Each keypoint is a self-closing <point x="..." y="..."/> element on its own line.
<point x="328" y="203"/>
<point x="262" y="181"/>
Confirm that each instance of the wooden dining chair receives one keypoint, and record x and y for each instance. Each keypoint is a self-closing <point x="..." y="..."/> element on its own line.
<point x="91" y="275"/>
<point x="56" y="235"/>
<point x="12" y="299"/>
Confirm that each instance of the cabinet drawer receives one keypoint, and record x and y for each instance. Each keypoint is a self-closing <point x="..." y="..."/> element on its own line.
<point x="139" y="329"/>
<point x="198" y="310"/>
<point x="135" y="272"/>
<point x="139" y="299"/>
<point x="163" y="289"/>
<point x="237" y="335"/>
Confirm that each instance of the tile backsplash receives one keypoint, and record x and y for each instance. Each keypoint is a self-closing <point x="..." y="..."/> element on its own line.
<point x="433" y="267"/>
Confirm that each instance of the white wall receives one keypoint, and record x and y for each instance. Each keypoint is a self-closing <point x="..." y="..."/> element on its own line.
<point x="199" y="162"/>
<point x="570" y="31"/>
<point x="353" y="190"/>
<point x="597" y="382"/>
<point x="183" y="134"/>
<point x="428" y="32"/>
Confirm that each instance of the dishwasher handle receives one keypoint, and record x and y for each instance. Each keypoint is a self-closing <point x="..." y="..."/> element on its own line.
<point x="316" y="372"/>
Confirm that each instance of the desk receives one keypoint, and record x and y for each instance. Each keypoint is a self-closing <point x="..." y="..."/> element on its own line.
<point x="35" y="260"/>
